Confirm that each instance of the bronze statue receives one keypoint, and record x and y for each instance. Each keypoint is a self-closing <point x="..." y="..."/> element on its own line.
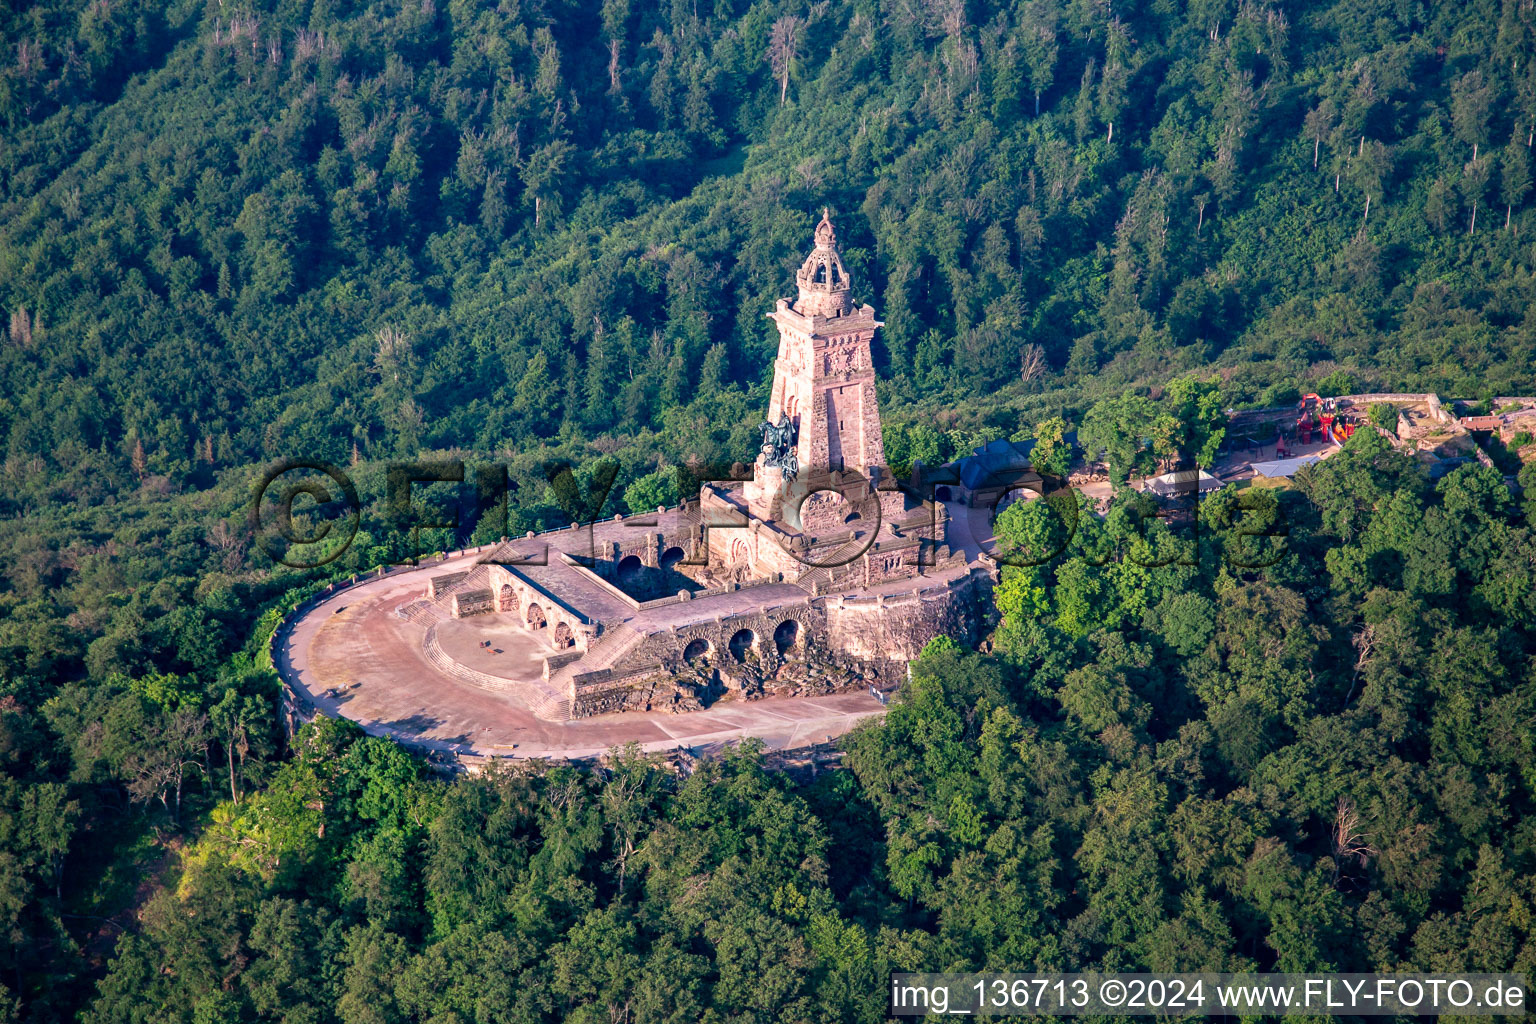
<point x="779" y="446"/>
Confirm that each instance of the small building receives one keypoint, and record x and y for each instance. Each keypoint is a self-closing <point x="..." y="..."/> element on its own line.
<point x="1182" y="481"/>
<point x="1284" y="469"/>
<point x="998" y="468"/>
<point x="995" y="470"/>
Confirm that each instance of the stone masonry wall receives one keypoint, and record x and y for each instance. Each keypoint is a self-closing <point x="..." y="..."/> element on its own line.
<point x="898" y="627"/>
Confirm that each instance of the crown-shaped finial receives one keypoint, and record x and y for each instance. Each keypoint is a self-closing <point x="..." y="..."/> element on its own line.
<point x="824" y="285"/>
<point x="826" y="238"/>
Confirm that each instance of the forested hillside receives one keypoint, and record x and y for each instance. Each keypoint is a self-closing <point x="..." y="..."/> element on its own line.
<point x="232" y="233"/>
<point x="1170" y="763"/>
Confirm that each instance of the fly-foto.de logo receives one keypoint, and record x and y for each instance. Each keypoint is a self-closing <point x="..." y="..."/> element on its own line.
<point x="307" y="513"/>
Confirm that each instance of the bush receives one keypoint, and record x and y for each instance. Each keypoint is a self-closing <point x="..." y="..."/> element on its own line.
<point x="1384" y="415"/>
<point x="1279" y="394"/>
<point x="1339" y="382"/>
<point x="652" y="491"/>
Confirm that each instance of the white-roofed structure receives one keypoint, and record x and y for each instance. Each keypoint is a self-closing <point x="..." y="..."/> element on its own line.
<point x="1183" y="481"/>
<point x="1284" y="468"/>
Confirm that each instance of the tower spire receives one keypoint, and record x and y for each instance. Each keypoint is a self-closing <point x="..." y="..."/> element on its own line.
<point x="824" y="378"/>
<point x="823" y="281"/>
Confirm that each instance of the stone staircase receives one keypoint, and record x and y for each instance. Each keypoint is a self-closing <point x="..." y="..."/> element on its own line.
<point x="544" y="699"/>
<point x="477" y="578"/>
<point x="441" y="583"/>
<point x="423" y="612"/>
<point x="809" y="579"/>
<point x="616" y="641"/>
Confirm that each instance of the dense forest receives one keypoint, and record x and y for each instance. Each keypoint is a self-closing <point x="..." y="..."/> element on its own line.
<point x="546" y="232"/>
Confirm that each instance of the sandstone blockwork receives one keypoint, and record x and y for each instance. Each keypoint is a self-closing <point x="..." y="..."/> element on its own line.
<point x="805" y="579"/>
<point x="819" y="645"/>
<point x="899" y="627"/>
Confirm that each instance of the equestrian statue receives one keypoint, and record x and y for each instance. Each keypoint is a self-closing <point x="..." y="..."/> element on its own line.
<point x="779" y="446"/>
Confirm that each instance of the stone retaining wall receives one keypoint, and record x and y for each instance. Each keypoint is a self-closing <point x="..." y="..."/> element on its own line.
<point x="472" y="602"/>
<point x="876" y="628"/>
<point x="871" y="628"/>
<point x="544" y="702"/>
<point x="295" y="708"/>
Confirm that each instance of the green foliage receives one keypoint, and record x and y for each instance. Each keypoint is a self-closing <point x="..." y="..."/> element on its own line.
<point x="1339" y="382"/>
<point x="163" y="690"/>
<point x="652" y="491"/>
<point x="940" y="645"/>
<point x="1192" y="425"/>
<point x="1119" y="431"/>
<point x="1170" y="763"/>
<point x="918" y="442"/>
<point x="533" y="235"/>
<point x="1052" y="454"/>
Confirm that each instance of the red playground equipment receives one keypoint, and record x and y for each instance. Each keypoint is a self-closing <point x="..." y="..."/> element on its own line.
<point x="1320" y="415"/>
<point x="1305" y="417"/>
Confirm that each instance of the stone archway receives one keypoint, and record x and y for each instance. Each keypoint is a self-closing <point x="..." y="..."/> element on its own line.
<point x="740" y="553"/>
<point x="629" y="567"/>
<point x="742" y="642"/>
<point x="506" y="599"/>
<point x="696" y="651"/>
<point x="786" y="635"/>
<point x="671" y="557"/>
<point x="563" y="637"/>
<point x="1013" y="495"/>
<point x="535" y="616"/>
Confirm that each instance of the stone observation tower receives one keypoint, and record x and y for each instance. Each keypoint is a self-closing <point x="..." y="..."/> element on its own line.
<point x="821" y="573"/>
<point x="824" y="379"/>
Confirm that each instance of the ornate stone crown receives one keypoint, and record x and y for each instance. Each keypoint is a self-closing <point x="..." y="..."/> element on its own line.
<point x="824" y="285"/>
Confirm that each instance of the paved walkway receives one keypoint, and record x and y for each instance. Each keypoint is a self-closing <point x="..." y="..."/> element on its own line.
<point x="351" y="656"/>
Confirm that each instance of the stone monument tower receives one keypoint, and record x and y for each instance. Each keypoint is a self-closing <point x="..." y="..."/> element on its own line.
<point x="823" y="380"/>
